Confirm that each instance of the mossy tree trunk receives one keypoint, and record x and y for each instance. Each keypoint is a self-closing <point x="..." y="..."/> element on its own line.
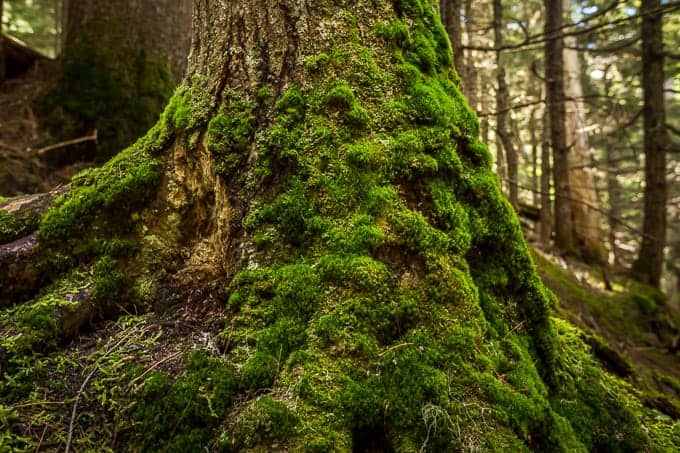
<point x="320" y="177"/>
<point x="119" y="65"/>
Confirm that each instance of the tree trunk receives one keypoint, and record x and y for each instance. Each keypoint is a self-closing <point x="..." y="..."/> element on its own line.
<point x="582" y="174"/>
<point x="546" y="228"/>
<point x="318" y="210"/>
<point x="505" y="138"/>
<point x="450" y="12"/>
<point x="120" y="64"/>
<point x="2" y="46"/>
<point x="614" y="195"/>
<point x="534" y="134"/>
<point x="649" y="265"/>
<point x="160" y="27"/>
<point x="554" y="75"/>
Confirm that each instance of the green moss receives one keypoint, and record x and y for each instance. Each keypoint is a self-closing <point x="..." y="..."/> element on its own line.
<point x="8" y="227"/>
<point x="646" y="305"/>
<point x="229" y="136"/>
<point x="182" y="414"/>
<point x="126" y="182"/>
<point x="341" y="96"/>
<point x="259" y="372"/>
<point x="264" y="421"/>
<point x="396" y="33"/>
<point x="602" y="418"/>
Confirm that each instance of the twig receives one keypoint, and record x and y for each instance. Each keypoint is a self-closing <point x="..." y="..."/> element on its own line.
<point x="75" y="408"/>
<point x="42" y="437"/>
<point x="9" y="147"/>
<point x="517" y="327"/>
<point x="38" y="403"/>
<point x="84" y="385"/>
<point x="154" y="366"/>
<point x="387" y="351"/>
<point x="75" y="141"/>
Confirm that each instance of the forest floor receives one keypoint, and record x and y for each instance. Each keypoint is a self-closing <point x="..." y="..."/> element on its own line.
<point x="25" y="165"/>
<point x="632" y="329"/>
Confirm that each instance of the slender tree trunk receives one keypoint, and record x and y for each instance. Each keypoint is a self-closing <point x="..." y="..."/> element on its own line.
<point x="582" y="174"/>
<point x="535" y="185"/>
<point x="472" y="76"/>
<point x="554" y="75"/>
<point x="546" y="228"/>
<point x="450" y="12"/>
<point x="649" y="265"/>
<point x="614" y="195"/>
<point x="505" y="138"/>
<point x="2" y="46"/>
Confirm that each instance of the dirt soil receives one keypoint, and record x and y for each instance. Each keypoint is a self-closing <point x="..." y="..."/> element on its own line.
<point x="24" y="167"/>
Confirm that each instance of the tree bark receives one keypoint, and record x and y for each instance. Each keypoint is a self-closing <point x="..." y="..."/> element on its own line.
<point x="555" y="94"/>
<point x="546" y="227"/>
<point x="2" y="46"/>
<point x="535" y="180"/>
<point x="450" y="12"/>
<point x="614" y="195"/>
<point x="648" y="267"/>
<point x="582" y="174"/>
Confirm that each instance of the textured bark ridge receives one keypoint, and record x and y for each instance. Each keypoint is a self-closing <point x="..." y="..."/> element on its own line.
<point x="320" y="176"/>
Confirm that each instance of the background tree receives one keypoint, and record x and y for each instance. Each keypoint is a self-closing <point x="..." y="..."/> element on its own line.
<point x="649" y="264"/>
<point x="119" y="65"/>
<point x="502" y="132"/>
<point x="555" y="95"/>
<point x="584" y="199"/>
<point x="2" y="46"/>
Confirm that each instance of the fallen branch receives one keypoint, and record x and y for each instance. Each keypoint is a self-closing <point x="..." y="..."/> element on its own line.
<point x="75" y="141"/>
<point x="596" y="208"/>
